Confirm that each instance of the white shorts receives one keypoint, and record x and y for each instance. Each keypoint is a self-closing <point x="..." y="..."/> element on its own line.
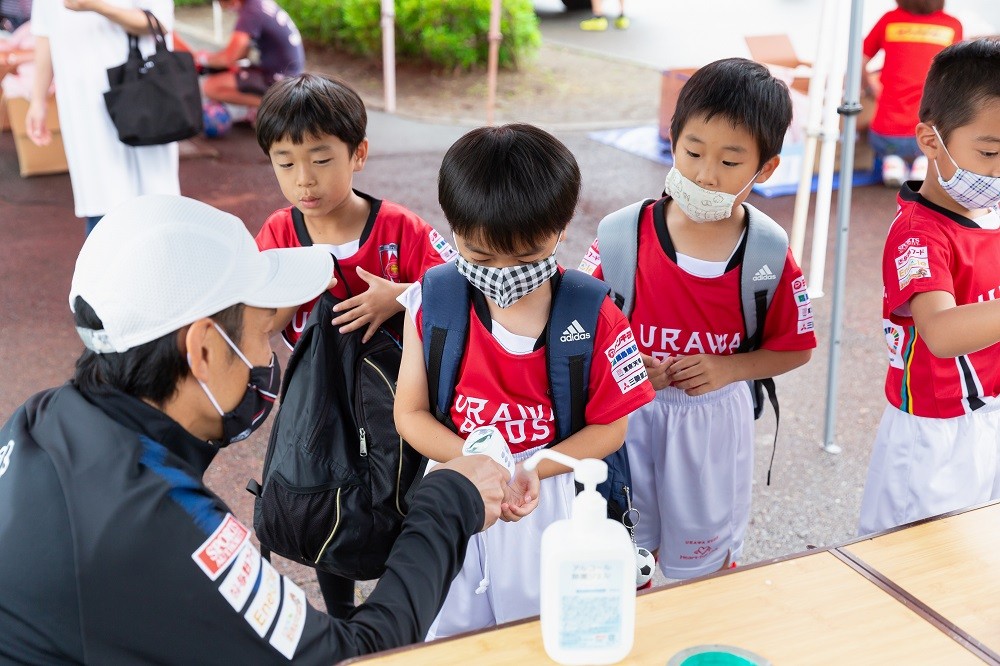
<point x="500" y="578"/>
<point x="923" y="467"/>
<point x="692" y="466"/>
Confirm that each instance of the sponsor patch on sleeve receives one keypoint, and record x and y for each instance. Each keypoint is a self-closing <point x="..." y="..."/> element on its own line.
<point x="264" y="607"/>
<point x="626" y="363"/>
<point x="442" y="246"/>
<point x="591" y="260"/>
<point x="804" y="306"/>
<point x="291" y="621"/>
<point x="220" y="549"/>
<point x="912" y="264"/>
<point x="238" y="583"/>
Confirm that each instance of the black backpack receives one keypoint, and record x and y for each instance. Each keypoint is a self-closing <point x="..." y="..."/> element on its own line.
<point x="336" y="470"/>
<point x="569" y="348"/>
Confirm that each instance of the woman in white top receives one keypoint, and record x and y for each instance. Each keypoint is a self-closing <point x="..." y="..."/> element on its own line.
<point x="77" y="41"/>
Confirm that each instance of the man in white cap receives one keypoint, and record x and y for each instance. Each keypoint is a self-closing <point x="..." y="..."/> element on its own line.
<point x="112" y="550"/>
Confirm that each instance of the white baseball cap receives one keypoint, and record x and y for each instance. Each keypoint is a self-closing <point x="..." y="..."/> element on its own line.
<point x="160" y="262"/>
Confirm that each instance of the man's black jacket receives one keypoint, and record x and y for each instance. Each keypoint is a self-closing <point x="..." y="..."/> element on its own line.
<point x="113" y="551"/>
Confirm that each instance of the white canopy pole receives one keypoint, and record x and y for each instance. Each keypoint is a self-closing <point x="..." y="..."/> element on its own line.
<point x="814" y="126"/>
<point x="389" y="54"/>
<point x="493" y="64"/>
<point x="217" y="21"/>
<point x="850" y="110"/>
<point x="828" y="152"/>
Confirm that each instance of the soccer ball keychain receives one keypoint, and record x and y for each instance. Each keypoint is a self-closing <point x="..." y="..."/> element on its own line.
<point x="645" y="563"/>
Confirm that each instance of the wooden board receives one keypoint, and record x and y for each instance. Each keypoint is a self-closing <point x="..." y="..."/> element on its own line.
<point x="813" y="609"/>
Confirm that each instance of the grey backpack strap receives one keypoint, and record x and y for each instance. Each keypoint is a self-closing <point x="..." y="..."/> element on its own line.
<point x="763" y="262"/>
<point x="618" y="243"/>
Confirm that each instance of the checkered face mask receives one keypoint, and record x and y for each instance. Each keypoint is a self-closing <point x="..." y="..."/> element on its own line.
<point x="506" y="286"/>
<point x="969" y="190"/>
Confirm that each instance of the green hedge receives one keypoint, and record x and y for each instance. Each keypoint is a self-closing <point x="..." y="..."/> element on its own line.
<point x="450" y="33"/>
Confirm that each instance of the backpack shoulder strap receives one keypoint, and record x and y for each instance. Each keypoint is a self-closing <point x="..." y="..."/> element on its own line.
<point x="445" y="323"/>
<point x="760" y="272"/>
<point x="569" y="347"/>
<point x="618" y="244"/>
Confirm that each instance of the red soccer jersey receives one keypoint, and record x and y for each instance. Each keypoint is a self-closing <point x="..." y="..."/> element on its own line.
<point x="680" y="314"/>
<point x="932" y="249"/>
<point x="511" y="391"/>
<point x="396" y="245"/>
<point x="910" y="42"/>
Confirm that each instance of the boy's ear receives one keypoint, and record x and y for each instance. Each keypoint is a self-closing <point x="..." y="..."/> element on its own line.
<point x="767" y="169"/>
<point x="927" y="141"/>
<point x="361" y="155"/>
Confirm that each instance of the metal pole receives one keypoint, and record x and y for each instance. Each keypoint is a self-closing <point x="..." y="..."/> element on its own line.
<point x="849" y="110"/>
<point x="389" y="54"/>
<point x="494" y="60"/>
<point x="217" y="21"/>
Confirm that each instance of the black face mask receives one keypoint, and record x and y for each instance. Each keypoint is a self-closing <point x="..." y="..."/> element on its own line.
<point x="254" y="407"/>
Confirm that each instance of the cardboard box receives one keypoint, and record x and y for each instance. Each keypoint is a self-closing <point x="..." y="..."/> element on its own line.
<point x="36" y="160"/>
<point x="777" y="52"/>
<point x="670" y="88"/>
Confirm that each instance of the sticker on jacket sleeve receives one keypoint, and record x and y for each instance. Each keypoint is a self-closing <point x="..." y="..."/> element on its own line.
<point x="264" y="607"/>
<point x="239" y="582"/>
<point x="591" y="260"/>
<point x="442" y="246"/>
<point x="626" y="363"/>
<point x="220" y="549"/>
<point x="911" y="264"/>
<point x="291" y="620"/>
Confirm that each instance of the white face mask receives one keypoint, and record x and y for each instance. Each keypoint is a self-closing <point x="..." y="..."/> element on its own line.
<point x="971" y="191"/>
<point x="699" y="204"/>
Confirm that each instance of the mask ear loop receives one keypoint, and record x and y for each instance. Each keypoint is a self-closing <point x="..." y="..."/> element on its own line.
<point x="946" y="152"/>
<point x="234" y="347"/>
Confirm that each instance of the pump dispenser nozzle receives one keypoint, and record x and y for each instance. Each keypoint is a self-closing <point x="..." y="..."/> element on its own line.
<point x="589" y="472"/>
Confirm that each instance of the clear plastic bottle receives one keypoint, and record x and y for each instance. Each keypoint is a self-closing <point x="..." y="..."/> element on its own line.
<point x="587" y="575"/>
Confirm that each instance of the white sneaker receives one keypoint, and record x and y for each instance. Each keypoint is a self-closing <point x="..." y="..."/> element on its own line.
<point x="919" y="169"/>
<point x="893" y="171"/>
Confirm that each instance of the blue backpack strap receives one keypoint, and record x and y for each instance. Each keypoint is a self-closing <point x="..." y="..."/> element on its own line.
<point x="569" y="347"/>
<point x="445" y="325"/>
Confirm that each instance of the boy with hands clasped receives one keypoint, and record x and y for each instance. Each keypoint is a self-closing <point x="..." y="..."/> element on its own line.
<point x="691" y="449"/>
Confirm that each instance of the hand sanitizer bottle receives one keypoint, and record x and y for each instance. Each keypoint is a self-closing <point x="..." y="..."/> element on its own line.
<point x="587" y="575"/>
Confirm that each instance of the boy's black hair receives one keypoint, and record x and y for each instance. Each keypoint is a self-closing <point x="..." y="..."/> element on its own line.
<point x="921" y="7"/>
<point x="148" y="371"/>
<point x="509" y="186"/>
<point x="311" y="105"/>
<point x="743" y="92"/>
<point x="959" y="83"/>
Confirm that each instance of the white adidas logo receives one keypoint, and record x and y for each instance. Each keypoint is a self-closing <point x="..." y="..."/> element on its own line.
<point x="574" y="332"/>
<point x="764" y="274"/>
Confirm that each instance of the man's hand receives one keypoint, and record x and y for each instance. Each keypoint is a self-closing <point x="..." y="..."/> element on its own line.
<point x="657" y="370"/>
<point x="371" y="308"/>
<point x="701" y="373"/>
<point x="487" y="475"/>
<point x="521" y="495"/>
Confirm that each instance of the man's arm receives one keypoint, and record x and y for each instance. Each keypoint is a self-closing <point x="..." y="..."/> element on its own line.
<point x="132" y="20"/>
<point x="237" y="49"/>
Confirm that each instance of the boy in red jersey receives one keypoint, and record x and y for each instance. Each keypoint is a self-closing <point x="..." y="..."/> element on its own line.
<point x="508" y="193"/>
<point x="938" y="445"/>
<point x="691" y="449"/>
<point x="312" y="128"/>
<point x="910" y="36"/>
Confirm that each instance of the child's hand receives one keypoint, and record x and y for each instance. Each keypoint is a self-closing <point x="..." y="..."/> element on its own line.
<point x="701" y="373"/>
<point x="657" y="370"/>
<point x="371" y="308"/>
<point x="520" y="495"/>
